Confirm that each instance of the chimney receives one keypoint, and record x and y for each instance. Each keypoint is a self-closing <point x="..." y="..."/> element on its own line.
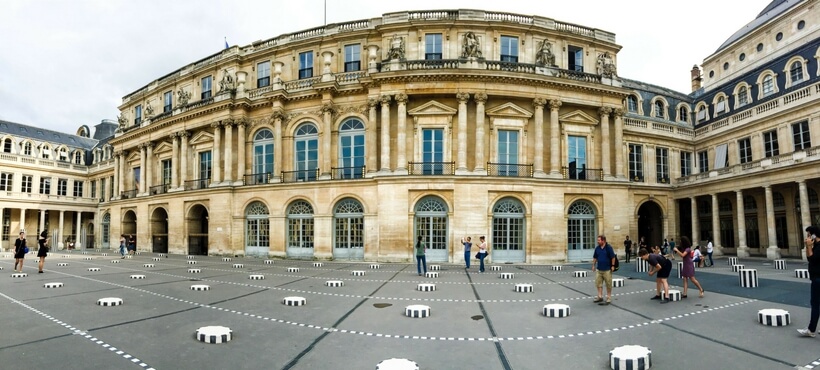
<point x="696" y="78"/>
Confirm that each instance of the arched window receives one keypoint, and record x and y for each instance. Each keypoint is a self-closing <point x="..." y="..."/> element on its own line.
<point x="432" y="225"/>
<point x="796" y="72"/>
<point x="257" y="226"/>
<point x="768" y="85"/>
<point x="683" y="114"/>
<point x="351" y="150"/>
<point x="45" y="152"/>
<point x="7" y="145"/>
<point x="27" y="149"/>
<point x="306" y="152"/>
<point x="78" y="157"/>
<point x="349" y="224"/>
<point x="62" y="154"/>
<point x="105" y="228"/>
<point x="742" y="96"/>
<point x="659" y="109"/>
<point x="813" y="199"/>
<point x="300" y="225"/>
<point x="632" y="104"/>
<point x="777" y="200"/>
<point x="724" y="205"/>
<point x="720" y="106"/>
<point x="749" y="203"/>
<point x="262" y="156"/>
<point x="581" y="226"/>
<point x="508" y="229"/>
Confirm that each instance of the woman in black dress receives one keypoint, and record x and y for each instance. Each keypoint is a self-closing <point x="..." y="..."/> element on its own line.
<point x="19" y="251"/>
<point x="42" y="251"/>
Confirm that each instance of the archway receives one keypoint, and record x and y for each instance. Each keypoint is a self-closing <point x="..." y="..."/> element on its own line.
<point x="129" y="223"/>
<point x="90" y="243"/>
<point x="159" y="231"/>
<point x="198" y="230"/>
<point x="432" y="225"/>
<point x="650" y="224"/>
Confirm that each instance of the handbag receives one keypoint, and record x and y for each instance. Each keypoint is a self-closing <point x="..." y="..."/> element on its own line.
<point x="25" y="250"/>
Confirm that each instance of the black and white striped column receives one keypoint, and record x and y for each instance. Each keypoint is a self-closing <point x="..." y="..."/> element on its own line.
<point x="748" y="278"/>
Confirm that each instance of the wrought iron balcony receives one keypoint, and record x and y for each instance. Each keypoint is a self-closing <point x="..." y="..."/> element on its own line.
<point x="301" y="175"/>
<point x="431" y="168"/>
<point x="509" y="169"/>
<point x="128" y="194"/>
<point x="160" y="189"/>
<point x="589" y="174"/>
<point x="346" y="173"/>
<point x="257" y="178"/>
<point x="197" y="184"/>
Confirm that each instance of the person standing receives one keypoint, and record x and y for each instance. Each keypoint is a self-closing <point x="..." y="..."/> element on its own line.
<point x="672" y="247"/>
<point x="642" y="244"/>
<point x="132" y="245"/>
<point x="467" y="245"/>
<point x="697" y="257"/>
<point x="813" y="256"/>
<point x="603" y="263"/>
<point x="421" y="258"/>
<point x="662" y="267"/>
<point x="482" y="253"/>
<point x="20" y="251"/>
<point x="122" y="245"/>
<point x="710" y="248"/>
<point x="42" y="250"/>
<point x="627" y="248"/>
<point x="688" y="271"/>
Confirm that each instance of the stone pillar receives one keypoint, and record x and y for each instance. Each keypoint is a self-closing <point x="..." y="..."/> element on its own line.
<point x="385" y="126"/>
<point x="538" y="160"/>
<point x="116" y="181"/>
<point x="696" y="238"/>
<point x="229" y="149"/>
<point x="143" y="189"/>
<point x="216" y="170"/>
<point x="174" y="161"/>
<point x="60" y="230"/>
<point x="370" y="135"/>
<point x="278" y="161"/>
<point x="149" y="166"/>
<point x="240" y="150"/>
<point x="41" y="226"/>
<point x="2" y="213"/>
<point x="772" y="252"/>
<point x="481" y="149"/>
<point x="77" y="243"/>
<point x="555" y="154"/>
<point x="742" y="248"/>
<point x="327" y="128"/>
<point x="605" y="140"/>
<point x="123" y="164"/>
<point x="401" y="135"/>
<point x="461" y="157"/>
<point x="619" y="140"/>
<point x="22" y="220"/>
<point x="805" y="210"/>
<point x="183" y="157"/>
<point x="716" y="242"/>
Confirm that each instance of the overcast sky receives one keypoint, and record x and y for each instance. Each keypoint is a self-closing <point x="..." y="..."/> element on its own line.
<point x="66" y="63"/>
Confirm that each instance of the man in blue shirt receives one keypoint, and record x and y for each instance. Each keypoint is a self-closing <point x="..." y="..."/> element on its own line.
<point x="603" y="263"/>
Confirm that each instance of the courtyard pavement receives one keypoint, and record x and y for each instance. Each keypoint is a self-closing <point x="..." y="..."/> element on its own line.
<point x="477" y="320"/>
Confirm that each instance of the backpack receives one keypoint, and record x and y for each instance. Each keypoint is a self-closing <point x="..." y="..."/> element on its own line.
<point x="617" y="263"/>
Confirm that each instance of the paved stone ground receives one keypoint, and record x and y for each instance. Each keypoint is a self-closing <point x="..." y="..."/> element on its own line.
<point x="477" y="320"/>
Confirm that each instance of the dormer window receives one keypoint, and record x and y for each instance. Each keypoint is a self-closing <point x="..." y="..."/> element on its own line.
<point x="796" y="72"/>
<point x="742" y="96"/>
<point x="683" y="114"/>
<point x="720" y="106"/>
<point x="768" y="85"/>
<point x="659" y="109"/>
<point x="632" y="104"/>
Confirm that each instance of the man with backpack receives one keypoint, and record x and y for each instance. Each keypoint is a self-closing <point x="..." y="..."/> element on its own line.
<point x="603" y="263"/>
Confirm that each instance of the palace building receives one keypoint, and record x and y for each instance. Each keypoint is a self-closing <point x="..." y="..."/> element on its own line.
<point x="347" y="141"/>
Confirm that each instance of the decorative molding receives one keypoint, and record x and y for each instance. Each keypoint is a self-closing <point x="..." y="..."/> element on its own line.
<point x="578" y="117"/>
<point x="433" y="108"/>
<point x="509" y="110"/>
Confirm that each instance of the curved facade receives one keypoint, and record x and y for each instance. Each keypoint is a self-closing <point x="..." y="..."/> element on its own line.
<point x="348" y="141"/>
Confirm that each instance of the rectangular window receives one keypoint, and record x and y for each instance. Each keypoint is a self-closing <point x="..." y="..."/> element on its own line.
<point x="6" y="223"/>
<point x="577" y="157"/>
<point x="25" y="185"/>
<point x="62" y="187"/>
<point x="685" y="163"/>
<point x="432" y="46"/>
<point x="353" y="58"/>
<point x="45" y="185"/>
<point x="635" y="162"/>
<point x="205" y="165"/>
<point x="508" y="153"/>
<point x="800" y="132"/>
<point x="206" y="88"/>
<point x="306" y="64"/>
<point x="770" y="146"/>
<point x="662" y="164"/>
<point x="93" y="189"/>
<point x="683" y="115"/>
<point x="433" y="151"/>
<point x="742" y="97"/>
<point x="136" y="179"/>
<point x="263" y="74"/>
<point x="703" y="161"/>
<point x="721" y="156"/>
<point x="744" y="147"/>
<point x="167" y="100"/>
<point x="509" y="49"/>
<point x="768" y="86"/>
<point x="78" y="188"/>
<point x="138" y="114"/>
<point x="702" y="114"/>
<point x="721" y="106"/>
<point x="575" y="59"/>
<point x="6" y="181"/>
<point x="351" y="154"/>
<point x="166" y="171"/>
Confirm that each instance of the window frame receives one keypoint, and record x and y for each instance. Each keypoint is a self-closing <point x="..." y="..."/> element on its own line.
<point x="744" y="150"/>
<point x="771" y="147"/>
<point x="45" y="185"/>
<point x="352" y="147"/>
<point x="353" y="58"/>
<point x="703" y="161"/>
<point x="685" y="163"/>
<point x="575" y="58"/>
<point x="635" y="160"/>
<point x="78" y="188"/>
<point x="138" y="114"/>
<point x="26" y="184"/>
<point x="801" y="139"/>
<point x="206" y="86"/>
<point x="6" y="181"/>
<point x="167" y="101"/>
<point x="432" y="46"/>
<point x="306" y="64"/>
<point x="263" y="74"/>
<point x="662" y="165"/>
<point x="509" y="44"/>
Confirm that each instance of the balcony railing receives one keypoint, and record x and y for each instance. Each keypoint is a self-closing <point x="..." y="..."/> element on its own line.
<point x="509" y="170"/>
<point x="128" y="194"/>
<point x="257" y="178"/>
<point x="160" y="189"/>
<point x="431" y="168"/>
<point x="301" y="175"/>
<point x="588" y="174"/>
<point x="346" y="173"/>
<point x="636" y="178"/>
<point x="197" y="184"/>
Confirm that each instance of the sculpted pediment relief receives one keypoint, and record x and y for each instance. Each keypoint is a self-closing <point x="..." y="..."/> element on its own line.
<point x="432" y="108"/>
<point x="201" y="138"/>
<point x="134" y="155"/>
<point x="509" y="110"/>
<point x="163" y="147"/>
<point x="578" y="117"/>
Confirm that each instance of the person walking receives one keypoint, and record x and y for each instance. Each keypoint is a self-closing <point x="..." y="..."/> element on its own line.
<point x="42" y="250"/>
<point x="813" y="256"/>
<point x="697" y="257"/>
<point x="710" y="248"/>
<point x="627" y="248"/>
<point x="660" y="266"/>
<point x="482" y="253"/>
<point x="20" y="251"/>
<point x="672" y="247"/>
<point x="603" y="263"/>
<point x="467" y="245"/>
<point x="421" y="258"/>
<point x="122" y="245"/>
<point x="688" y="271"/>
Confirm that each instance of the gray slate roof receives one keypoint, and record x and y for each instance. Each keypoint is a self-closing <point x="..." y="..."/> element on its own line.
<point x="46" y="135"/>
<point x="775" y="8"/>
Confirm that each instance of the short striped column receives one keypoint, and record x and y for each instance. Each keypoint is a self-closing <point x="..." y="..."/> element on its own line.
<point x="334" y="283"/>
<point x="200" y="287"/>
<point x="226" y="259"/>
<point x="417" y="311"/>
<point x="148" y="265"/>
<point x="779" y="264"/>
<point x="293" y="269"/>
<point x="115" y="261"/>
<point x="268" y="262"/>
<point x="556" y="310"/>
<point x="138" y="276"/>
<point x="557" y="267"/>
<point x="190" y="257"/>
<point x="192" y="262"/>
<point x="748" y="278"/>
<point x="53" y="285"/>
<point x="732" y="261"/>
<point x="617" y="283"/>
<point x="374" y="266"/>
<point x="108" y="302"/>
<point x="641" y="265"/>
<point x="397" y="364"/>
<point x="579" y="274"/>
<point x="630" y="357"/>
<point x="194" y="271"/>
<point x="434" y="267"/>
<point x="506" y="275"/>
<point x="155" y="259"/>
<point x="94" y="269"/>
<point x="63" y="264"/>
<point x="431" y="274"/>
<point x="773" y="317"/>
<point x="88" y="258"/>
<point x="426" y="287"/>
<point x="256" y="277"/>
<point x="213" y="334"/>
<point x="495" y="268"/>
<point x="238" y="265"/>
<point x="19" y="275"/>
<point x="294" y="301"/>
<point x="317" y="264"/>
<point x="357" y="273"/>
<point x="523" y="288"/>
<point x="674" y="295"/>
<point x="680" y="269"/>
<point x="801" y="273"/>
<point x="736" y="268"/>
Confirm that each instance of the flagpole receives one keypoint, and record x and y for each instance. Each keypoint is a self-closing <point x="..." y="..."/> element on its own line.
<point x="325" y="12"/>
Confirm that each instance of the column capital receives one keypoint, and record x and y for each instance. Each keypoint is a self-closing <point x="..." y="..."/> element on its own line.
<point x="385" y="99"/>
<point x="327" y="108"/>
<point x="243" y="122"/>
<point x="278" y="114"/>
<point x="216" y="124"/>
<point x="555" y="104"/>
<point x="619" y="112"/>
<point x="480" y="97"/>
<point x="604" y="111"/>
<point x="462" y="97"/>
<point x="539" y="102"/>
<point x="149" y="144"/>
<point x="400" y="98"/>
<point x="372" y="102"/>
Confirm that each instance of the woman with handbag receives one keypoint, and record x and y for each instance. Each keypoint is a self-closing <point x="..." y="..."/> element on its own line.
<point x="482" y="253"/>
<point x="42" y="251"/>
<point x="20" y="251"/>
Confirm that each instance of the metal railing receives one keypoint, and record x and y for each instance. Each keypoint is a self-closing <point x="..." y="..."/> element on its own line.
<point x="128" y="194"/>
<point x="509" y="169"/>
<point x="160" y="189"/>
<point x="302" y="175"/>
<point x="431" y="168"/>
<point x="256" y="178"/>
<point x="196" y="184"/>
<point x="590" y="174"/>
<point x="346" y="173"/>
